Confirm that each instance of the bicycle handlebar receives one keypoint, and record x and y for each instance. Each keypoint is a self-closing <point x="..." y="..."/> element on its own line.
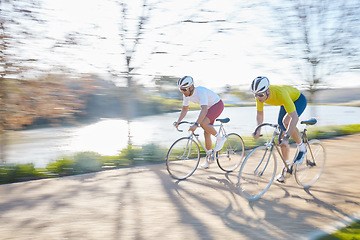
<point x="265" y="124"/>
<point x="182" y="123"/>
<point x="271" y="125"/>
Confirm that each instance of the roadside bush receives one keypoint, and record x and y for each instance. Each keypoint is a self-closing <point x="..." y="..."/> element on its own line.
<point x="153" y="153"/>
<point x="332" y="131"/>
<point x="87" y="162"/>
<point x="18" y="173"/>
<point x="109" y="162"/>
<point x="61" y="167"/>
<point x="147" y="153"/>
<point x="83" y="162"/>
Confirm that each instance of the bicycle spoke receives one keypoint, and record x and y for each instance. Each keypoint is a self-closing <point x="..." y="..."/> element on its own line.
<point x="183" y="158"/>
<point x="308" y="172"/>
<point x="257" y="173"/>
<point x="232" y="153"/>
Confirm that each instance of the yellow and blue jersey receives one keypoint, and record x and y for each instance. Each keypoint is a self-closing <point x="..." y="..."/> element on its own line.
<point x="281" y="95"/>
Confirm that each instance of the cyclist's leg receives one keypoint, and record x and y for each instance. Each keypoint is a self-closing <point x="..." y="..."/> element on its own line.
<point x="300" y="105"/>
<point x="283" y="121"/>
<point x="212" y="114"/>
<point x="208" y="131"/>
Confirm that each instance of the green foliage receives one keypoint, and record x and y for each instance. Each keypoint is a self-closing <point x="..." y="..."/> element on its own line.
<point x="130" y="153"/>
<point x="115" y="162"/>
<point x="147" y="153"/>
<point x="85" y="162"/>
<point x="165" y="105"/>
<point x="153" y="153"/>
<point x="351" y="232"/>
<point x="61" y="167"/>
<point x="332" y="131"/>
<point x="18" y="173"/>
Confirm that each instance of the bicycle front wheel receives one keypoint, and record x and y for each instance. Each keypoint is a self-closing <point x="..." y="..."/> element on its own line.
<point x="309" y="171"/>
<point x="232" y="153"/>
<point x="257" y="173"/>
<point x="183" y="158"/>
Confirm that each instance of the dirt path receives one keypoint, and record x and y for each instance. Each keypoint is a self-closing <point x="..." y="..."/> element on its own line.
<point x="145" y="203"/>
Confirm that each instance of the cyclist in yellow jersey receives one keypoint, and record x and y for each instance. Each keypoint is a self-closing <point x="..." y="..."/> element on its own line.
<point x="292" y="104"/>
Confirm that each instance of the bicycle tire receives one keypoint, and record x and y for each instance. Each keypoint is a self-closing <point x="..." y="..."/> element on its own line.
<point x="257" y="173"/>
<point x="183" y="158"/>
<point x="231" y="155"/>
<point x="310" y="170"/>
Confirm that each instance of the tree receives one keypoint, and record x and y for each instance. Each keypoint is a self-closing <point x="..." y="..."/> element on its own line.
<point x="319" y="38"/>
<point x="166" y="85"/>
<point x="24" y="99"/>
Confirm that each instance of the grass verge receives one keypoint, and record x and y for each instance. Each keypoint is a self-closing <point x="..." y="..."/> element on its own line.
<point x="86" y="162"/>
<point x="351" y="232"/>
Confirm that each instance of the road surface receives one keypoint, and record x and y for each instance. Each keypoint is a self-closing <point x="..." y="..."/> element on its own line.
<point x="145" y="203"/>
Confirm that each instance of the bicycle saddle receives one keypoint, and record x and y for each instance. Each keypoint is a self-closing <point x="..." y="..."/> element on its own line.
<point x="225" y="120"/>
<point x="311" y="121"/>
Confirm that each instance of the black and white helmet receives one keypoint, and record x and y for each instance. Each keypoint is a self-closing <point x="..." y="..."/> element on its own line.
<point x="185" y="82"/>
<point x="260" y="84"/>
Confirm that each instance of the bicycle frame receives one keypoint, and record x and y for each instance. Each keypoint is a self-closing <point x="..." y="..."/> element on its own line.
<point x="258" y="170"/>
<point x="272" y="144"/>
<point x="193" y="134"/>
<point x="306" y="141"/>
<point x="228" y="158"/>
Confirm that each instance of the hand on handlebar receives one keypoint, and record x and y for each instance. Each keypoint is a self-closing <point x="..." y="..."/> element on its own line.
<point x="256" y="134"/>
<point x="193" y="128"/>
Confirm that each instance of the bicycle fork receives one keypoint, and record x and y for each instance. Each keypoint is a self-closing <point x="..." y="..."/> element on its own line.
<point x="187" y="151"/>
<point x="260" y="173"/>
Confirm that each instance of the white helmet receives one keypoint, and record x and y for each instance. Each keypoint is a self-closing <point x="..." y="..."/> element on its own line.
<point x="185" y="82"/>
<point x="260" y="84"/>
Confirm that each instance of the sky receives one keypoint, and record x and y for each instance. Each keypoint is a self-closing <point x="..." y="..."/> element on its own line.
<point x="230" y="52"/>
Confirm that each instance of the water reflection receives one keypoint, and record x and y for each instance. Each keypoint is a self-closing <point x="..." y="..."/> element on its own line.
<point x="108" y="136"/>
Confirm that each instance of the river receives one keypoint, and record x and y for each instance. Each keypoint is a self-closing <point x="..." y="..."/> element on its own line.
<point x="109" y="136"/>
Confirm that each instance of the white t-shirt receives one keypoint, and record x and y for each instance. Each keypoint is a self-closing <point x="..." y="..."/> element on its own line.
<point x="202" y="96"/>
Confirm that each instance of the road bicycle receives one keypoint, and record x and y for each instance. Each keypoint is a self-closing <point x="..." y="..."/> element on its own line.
<point x="258" y="169"/>
<point x="183" y="157"/>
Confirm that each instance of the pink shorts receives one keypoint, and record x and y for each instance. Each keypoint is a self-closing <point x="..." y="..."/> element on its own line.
<point x="215" y="111"/>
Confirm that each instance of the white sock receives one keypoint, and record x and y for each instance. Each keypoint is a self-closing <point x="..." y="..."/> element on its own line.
<point x="301" y="147"/>
<point x="288" y="162"/>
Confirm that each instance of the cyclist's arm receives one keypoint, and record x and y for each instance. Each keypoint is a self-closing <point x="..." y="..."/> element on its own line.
<point x="183" y="113"/>
<point x="201" y="117"/>
<point x="259" y="117"/>
<point x="259" y="120"/>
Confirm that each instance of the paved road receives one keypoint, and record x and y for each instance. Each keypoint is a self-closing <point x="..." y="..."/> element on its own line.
<point x="145" y="203"/>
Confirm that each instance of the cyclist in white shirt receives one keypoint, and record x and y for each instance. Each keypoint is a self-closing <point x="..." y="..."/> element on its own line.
<point x="211" y="107"/>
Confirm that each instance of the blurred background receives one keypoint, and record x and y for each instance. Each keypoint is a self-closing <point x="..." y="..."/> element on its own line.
<point x="98" y="76"/>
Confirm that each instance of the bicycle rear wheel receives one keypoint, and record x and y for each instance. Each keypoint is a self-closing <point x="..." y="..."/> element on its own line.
<point x="309" y="171"/>
<point x="257" y="173"/>
<point x="183" y="158"/>
<point x="232" y="153"/>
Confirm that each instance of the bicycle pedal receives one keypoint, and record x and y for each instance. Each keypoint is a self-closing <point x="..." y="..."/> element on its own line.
<point x="280" y="181"/>
<point x="311" y="164"/>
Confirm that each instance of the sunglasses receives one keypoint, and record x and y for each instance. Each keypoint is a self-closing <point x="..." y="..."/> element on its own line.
<point x="183" y="89"/>
<point x="260" y="95"/>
